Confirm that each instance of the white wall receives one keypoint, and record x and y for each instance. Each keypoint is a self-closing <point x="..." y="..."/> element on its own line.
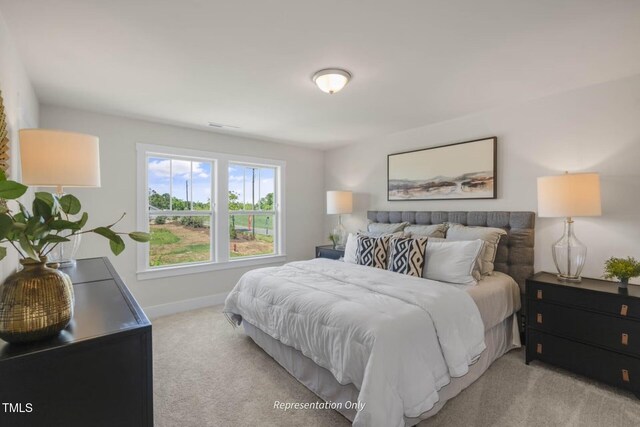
<point x="21" y="110"/>
<point x="591" y="129"/>
<point x="118" y="137"/>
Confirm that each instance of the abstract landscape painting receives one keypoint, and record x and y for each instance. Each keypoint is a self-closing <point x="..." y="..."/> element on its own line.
<point x="465" y="170"/>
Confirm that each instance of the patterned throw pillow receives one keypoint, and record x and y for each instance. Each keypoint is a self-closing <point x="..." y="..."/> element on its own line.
<point x="406" y="255"/>
<point x="373" y="251"/>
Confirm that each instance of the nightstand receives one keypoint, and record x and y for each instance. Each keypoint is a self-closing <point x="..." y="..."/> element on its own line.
<point x="591" y="328"/>
<point x="327" y="251"/>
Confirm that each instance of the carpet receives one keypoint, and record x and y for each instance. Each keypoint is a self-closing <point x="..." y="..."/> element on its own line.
<point x="207" y="373"/>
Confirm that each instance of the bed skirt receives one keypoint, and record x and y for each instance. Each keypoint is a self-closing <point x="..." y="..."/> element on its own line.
<point x="500" y="339"/>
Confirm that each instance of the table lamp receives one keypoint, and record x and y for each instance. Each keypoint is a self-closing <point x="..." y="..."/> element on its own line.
<point x="569" y="196"/>
<point x="338" y="203"/>
<point x="54" y="158"/>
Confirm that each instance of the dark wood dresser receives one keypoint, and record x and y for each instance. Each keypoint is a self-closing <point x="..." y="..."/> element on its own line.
<point x="591" y="328"/>
<point x="328" y="251"/>
<point x="97" y="372"/>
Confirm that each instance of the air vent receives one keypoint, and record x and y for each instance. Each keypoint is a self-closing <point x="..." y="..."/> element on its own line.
<point x="221" y="126"/>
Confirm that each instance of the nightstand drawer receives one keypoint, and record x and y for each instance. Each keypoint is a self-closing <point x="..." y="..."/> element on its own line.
<point x="329" y="252"/>
<point x="606" y="366"/>
<point x="574" y="296"/>
<point x="612" y="332"/>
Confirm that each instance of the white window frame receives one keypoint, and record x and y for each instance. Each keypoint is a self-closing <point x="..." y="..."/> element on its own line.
<point x="220" y="244"/>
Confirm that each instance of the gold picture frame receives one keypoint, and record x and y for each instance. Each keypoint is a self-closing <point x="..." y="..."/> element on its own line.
<point x="4" y="138"/>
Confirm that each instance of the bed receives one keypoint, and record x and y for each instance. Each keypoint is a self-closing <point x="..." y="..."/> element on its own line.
<point x="313" y="318"/>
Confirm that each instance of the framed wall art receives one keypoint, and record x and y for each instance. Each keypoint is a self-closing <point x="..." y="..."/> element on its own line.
<point x="464" y="170"/>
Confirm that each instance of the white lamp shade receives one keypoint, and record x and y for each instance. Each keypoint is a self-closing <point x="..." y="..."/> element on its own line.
<point x="339" y="202"/>
<point x="53" y="158"/>
<point x="569" y="195"/>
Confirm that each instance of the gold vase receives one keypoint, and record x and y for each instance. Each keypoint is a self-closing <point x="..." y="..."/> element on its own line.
<point x="35" y="302"/>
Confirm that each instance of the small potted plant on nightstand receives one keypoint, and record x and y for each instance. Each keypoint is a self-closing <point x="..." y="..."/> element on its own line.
<point x="334" y="238"/>
<point x="622" y="269"/>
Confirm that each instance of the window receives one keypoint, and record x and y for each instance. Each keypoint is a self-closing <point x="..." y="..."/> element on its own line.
<point x="252" y="215"/>
<point x="207" y="211"/>
<point x="180" y="215"/>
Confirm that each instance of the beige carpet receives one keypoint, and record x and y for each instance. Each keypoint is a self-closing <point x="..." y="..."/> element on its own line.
<point x="208" y="374"/>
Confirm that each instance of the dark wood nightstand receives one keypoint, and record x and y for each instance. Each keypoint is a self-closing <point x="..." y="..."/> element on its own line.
<point x="591" y="328"/>
<point x="327" y="251"/>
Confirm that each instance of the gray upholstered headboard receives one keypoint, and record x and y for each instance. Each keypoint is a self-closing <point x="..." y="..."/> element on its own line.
<point x="515" y="251"/>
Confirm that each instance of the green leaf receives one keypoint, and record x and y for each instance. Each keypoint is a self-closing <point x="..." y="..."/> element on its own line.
<point x="83" y="220"/>
<point x="3" y="175"/>
<point x="139" y="236"/>
<point x="19" y="218"/>
<point x="117" y="245"/>
<point x="61" y="224"/>
<point x="50" y="200"/>
<point x="6" y="224"/>
<point x="42" y="209"/>
<point x="25" y="213"/>
<point x="11" y="190"/>
<point x="35" y="228"/>
<point x="70" y="204"/>
<point x="3" y="252"/>
<point x="45" y="197"/>
<point x="53" y="238"/>
<point x="105" y="232"/>
<point x="27" y="248"/>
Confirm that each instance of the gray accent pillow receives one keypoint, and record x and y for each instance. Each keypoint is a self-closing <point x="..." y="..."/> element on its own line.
<point x="435" y="230"/>
<point x="452" y="261"/>
<point x="491" y="237"/>
<point x="383" y="228"/>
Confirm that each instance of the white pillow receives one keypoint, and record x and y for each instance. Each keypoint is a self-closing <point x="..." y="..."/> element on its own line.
<point x="351" y="249"/>
<point x="435" y="230"/>
<point x="490" y="235"/>
<point x="452" y="261"/>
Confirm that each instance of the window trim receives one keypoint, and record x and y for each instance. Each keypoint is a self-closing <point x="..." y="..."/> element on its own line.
<point x="219" y="211"/>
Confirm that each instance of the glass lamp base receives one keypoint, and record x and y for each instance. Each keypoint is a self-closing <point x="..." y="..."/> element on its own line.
<point x="569" y="255"/>
<point x="572" y="279"/>
<point x="65" y="253"/>
<point x="341" y="232"/>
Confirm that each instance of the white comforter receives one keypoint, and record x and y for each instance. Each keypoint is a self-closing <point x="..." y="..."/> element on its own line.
<point x="397" y="338"/>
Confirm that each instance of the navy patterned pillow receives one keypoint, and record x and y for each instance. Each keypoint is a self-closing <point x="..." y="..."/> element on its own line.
<point x="406" y="255"/>
<point x="373" y="251"/>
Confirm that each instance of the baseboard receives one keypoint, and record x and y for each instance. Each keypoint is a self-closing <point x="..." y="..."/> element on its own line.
<point x="155" y="311"/>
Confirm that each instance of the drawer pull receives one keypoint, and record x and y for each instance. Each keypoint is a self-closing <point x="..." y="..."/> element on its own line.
<point x="624" y="309"/>
<point x="625" y="375"/>
<point x="539" y="294"/>
<point x="539" y="317"/>
<point x="625" y="339"/>
<point x="539" y="351"/>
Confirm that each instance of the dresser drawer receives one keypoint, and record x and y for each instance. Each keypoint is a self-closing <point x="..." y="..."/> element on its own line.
<point x="598" y="301"/>
<point x="606" y="366"/>
<point x="612" y="332"/>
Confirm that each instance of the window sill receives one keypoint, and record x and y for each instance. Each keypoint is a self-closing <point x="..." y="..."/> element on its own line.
<point x="179" y="270"/>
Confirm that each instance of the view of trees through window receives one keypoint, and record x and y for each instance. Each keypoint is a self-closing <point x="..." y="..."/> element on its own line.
<point x="252" y="215"/>
<point x="177" y="189"/>
<point x="181" y="216"/>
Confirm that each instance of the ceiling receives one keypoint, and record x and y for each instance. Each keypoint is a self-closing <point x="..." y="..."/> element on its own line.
<point x="249" y="63"/>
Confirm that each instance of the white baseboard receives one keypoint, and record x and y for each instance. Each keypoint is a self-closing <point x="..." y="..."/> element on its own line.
<point x="155" y="311"/>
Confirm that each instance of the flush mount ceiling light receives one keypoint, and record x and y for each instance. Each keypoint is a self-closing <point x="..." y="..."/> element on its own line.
<point x="331" y="80"/>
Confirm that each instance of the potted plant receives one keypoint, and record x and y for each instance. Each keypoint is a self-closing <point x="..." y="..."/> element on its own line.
<point x="37" y="301"/>
<point x="335" y="239"/>
<point x="622" y="269"/>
